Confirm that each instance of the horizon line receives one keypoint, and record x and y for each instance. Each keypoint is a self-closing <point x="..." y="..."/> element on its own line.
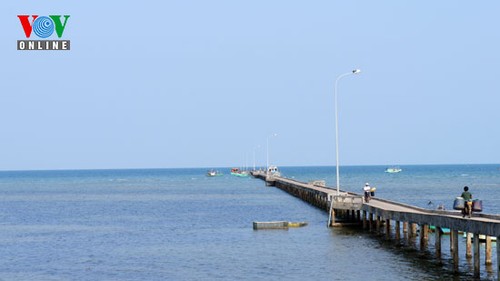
<point x="249" y="168"/>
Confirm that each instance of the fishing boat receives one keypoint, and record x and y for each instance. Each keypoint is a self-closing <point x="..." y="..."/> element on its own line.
<point x="239" y="173"/>
<point x="214" y="173"/>
<point x="392" y="170"/>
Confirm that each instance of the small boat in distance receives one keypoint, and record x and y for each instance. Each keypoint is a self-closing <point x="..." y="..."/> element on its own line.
<point x="393" y="170"/>
<point x="239" y="173"/>
<point x="214" y="173"/>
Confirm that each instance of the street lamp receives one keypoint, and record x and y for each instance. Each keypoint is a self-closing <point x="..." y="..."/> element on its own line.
<point x="267" y="151"/>
<point x="355" y="71"/>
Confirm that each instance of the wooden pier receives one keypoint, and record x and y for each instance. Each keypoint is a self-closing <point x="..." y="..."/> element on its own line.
<point x="349" y="208"/>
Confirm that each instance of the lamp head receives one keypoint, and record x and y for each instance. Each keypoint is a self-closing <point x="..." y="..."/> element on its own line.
<point x="356" y="71"/>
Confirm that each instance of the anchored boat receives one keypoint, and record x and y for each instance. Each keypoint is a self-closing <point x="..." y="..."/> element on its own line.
<point x="214" y="173"/>
<point x="277" y="224"/>
<point x="393" y="170"/>
<point x="237" y="172"/>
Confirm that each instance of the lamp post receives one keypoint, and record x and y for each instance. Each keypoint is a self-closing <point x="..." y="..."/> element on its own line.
<point x="267" y="151"/>
<point x="355" y="71"/>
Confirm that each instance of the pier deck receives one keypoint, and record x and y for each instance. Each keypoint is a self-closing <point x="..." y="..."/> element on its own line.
<point x="380" y="211"/>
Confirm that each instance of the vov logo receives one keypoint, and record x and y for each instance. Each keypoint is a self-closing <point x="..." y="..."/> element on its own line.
<point x="43" y="27"/>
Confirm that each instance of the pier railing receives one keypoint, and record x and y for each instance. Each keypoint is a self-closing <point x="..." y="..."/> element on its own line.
<point x="347" y="202"/>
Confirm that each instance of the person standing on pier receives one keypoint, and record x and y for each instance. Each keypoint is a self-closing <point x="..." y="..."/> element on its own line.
<point x="467" y="196"/>
<point x="367" y="188"/>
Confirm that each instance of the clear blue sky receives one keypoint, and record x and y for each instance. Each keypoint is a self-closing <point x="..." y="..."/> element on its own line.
<point x="202" y="83"/>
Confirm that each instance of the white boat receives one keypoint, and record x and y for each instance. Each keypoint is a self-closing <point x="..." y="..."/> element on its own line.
<point x="214" y="173"/>
<point x="393" y="170"/>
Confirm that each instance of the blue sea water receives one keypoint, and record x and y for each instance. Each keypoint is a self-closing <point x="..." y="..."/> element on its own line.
<point x="178" y="224"/>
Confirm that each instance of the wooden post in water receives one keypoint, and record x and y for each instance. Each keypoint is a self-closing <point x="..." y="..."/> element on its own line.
<point x="424" y="236"/>
<point x="387" y="228"/>
<point x="363" y="217"/>
<point x="487" y="251"/>
<point x="370" y="226"/>
<point x="364" y="220"/>
<point x="438" y="241"/>
<point x="378" y="223"/>
<point x="476" y="255"/>
<point x="332" y="222"/>
<point x="498" y="259"/>
<point x="398" y="230"/>
<point x="405" y="230"/>
<point x="454" y="244"/>
<point x="468" y="245"/>
<point x="413" y="228"/>
<point x="451" y="241"/>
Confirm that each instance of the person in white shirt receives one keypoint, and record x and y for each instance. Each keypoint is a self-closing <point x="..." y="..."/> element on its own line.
<point x="367" y="189"/>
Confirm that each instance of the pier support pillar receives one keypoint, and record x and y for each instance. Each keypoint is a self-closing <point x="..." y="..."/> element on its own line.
<point x="487" y="251"/>
<point x="412" y="234"/>
<point x="498" y="259"/>
<point x="370" y="221"/>
<point x="413" y="230"/>
<point x="451" y="241"/>
<point x="405" y="230"/>
<point x="424" y="236"/>
<point x="387" y="228"/>
<point x="454" y="248"/>
<point x="332" y="222"/>
<point x="378" y="223"/>
<point x="476" y="255"/>
<point x="398" y="230"/>
<point x="468" y="245"/>
<point x="426" y="231"/>
<point x="438" y="242"/>
<point x="365" y="226"/>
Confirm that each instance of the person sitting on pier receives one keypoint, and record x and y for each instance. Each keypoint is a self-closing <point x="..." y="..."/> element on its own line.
<point x="467" y="196"/>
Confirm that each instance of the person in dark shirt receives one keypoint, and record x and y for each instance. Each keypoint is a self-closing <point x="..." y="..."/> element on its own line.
<point x="467" y="196"/>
